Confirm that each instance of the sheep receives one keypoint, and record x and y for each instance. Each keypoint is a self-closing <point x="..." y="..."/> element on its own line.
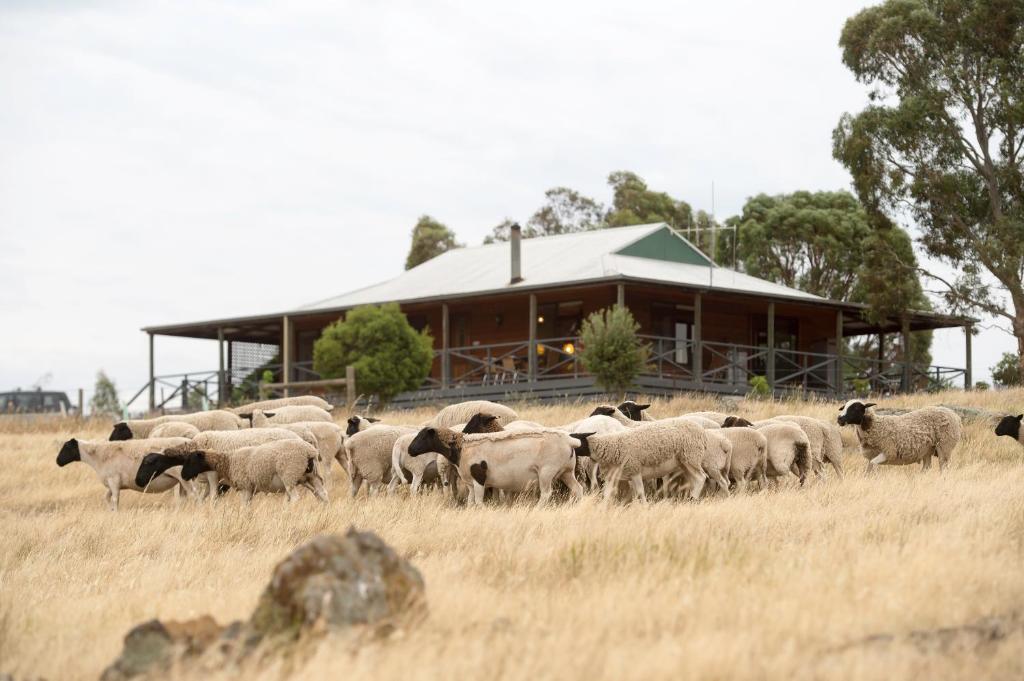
<point x="420" y="469"/>
<point x="116" y="463"/>
<point x="749" y="456"/>
<point x="368" y="456"/>
<point x="613" y="412"/>
<point x="520" y="424"/>
<point x="174" y="429"/>
<point x="788" y="447"/>
<point x="270" y="467"/>
<point x="831" y="439"/>
<point x="904" y="439"/>
<point x="217" y="419"/>
<point x="815" y="431"/>
<point x="1010" y="426"/>
<point x="716" y="416"/>
<point x="328" y="438"/>
<point x="449" y="476"/>
<point x="287" y="414"/>
<point x="636" y="412"/>
<point x="357" y="423"/>
<point x="649" y="450"/>
<point x="270" y="405"/>
<point x="717" y="458"/>
<point x="462" y="412"/>
<point x="702" y="421"/>
<point x="511" y="461"/>
<point x="224" y="441"/>
<point x="588" y="468"/>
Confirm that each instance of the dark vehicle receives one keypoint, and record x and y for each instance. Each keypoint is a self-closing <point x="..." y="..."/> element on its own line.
<point x="34" y="402"/>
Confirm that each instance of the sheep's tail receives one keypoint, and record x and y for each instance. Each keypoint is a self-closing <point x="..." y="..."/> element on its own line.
<point x="802" y="460"/>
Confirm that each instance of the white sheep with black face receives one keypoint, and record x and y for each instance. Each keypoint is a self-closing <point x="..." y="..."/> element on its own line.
<point x="297" y="401"/>
<point x="217" y="419"/>
<point x="357" y="423"/>
<point x="116" y="464"/>
<point x="1010" y="427"/>
<point x="368" y="456"/>
<point x="462" y="412"/>
<point x="509" y="461"/>
<point x="903" y="439"/>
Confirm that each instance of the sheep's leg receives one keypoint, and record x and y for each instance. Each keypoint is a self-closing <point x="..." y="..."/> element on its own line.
<point x="595" y="484"/>
<point x="414" y="487"/>
<point x="477" y="494"/>
<point x="575" y="488"/>
<point x="639" y="493"/>
<point x="720" y="480"/>
<point x="876" y="462"/>
<point x="113" y="492"/>
<point x="393" y="485"/>
<point x="762" y="478"/>
<point x="926" y="461"/>
<point x="944" y="453"/>
<point x="697" y="484"/>
<point x="316" y="486"/>
<point x="291" y="493"/>
<point x="246" y="495"/>
<point x="544" y="483"/>
<point x="838" y="466"/>
<point x="356" y="482"/>
<point x="212" y="485"/>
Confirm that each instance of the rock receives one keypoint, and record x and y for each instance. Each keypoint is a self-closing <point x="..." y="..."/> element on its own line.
<point x="980" y="636"/>
<point x="329" y="585"/>
<point x="158" y="645"/>
<point x="335" y="582"/>
<point x="966" y="413"/>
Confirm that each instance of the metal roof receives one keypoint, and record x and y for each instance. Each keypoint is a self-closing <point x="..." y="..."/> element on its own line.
<point x="584" y="258"/>
<point x="566" y="259"/>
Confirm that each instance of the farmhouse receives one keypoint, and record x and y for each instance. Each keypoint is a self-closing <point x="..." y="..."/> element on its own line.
<point x="506" y="317"/>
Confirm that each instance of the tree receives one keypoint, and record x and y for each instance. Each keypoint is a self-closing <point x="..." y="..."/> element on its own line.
<point x="566" y="211"/>
<point x="1007" y="371"/>
<point x="634" y="204"/>
<point x="611" y="350"/>
<point x="389" y="355"/>
<point x="503" y="232"/>
<point x="943" y="139"/>
<point x="104" y="396"/>
<point x="430" y="239"/>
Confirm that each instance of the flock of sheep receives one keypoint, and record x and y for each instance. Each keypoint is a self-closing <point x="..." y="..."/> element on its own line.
<point x="479" y="448"/>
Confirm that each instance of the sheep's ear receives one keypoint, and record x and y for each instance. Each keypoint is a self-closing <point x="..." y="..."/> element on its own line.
<point x="247" y="416"/>
<point x="372" y="420"/>
<point x="269" y="414"/>
<point x="490" y="418"/>
<point x="641" y="407"/>
<point x="869" y="404"/>
<point x="1019" y="417"/>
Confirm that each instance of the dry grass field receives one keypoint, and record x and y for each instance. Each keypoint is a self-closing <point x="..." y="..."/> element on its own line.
<point x="781" y="584"/>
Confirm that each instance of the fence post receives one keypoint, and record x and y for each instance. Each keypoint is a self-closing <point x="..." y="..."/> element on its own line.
<point x="905" y="339"/>
<point x="350" y="386"/>
<point x="184" y="393"/>
<point x="968" y="382"/>
<point x="220" y="367"/>
<point x="152" y="379"/>
<point x="81" y="403"/>
<point x="698" y="343"/>
<point x="532" y="352"/>
<point x="839" y="353"/>
<point x="770" y="368"/>
<point x="445" y="345"/>
<point x="286" y="353"/>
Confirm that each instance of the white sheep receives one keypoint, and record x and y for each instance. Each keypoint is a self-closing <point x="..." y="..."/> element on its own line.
<point x="420" y="469"/>
<point x="511" y="461"/>
<point x="716" y="416"/>
<point x="287" y="414"/>
<point x="702" y="421"/>
<point x="462" y="412"/>
<point x="717" y="458"/>
<point x="649" y="450"/>
<point x="270" y="467"/>
<point x="116" y="464"/>
<point x="789" y="449"/>
<point x="217" y="419"/>
<point x="174" y="429"/>
<point x="1010" y="427"/>
<point x="904" y="439"/>
<point x="812" y="428"/>
<point x="749" y="456"/>
<point x="613" y="412"/>
<point x="588" y="468"/>
<point x="329" y="439"/>
<point x="368" y="456"/>
<point x="224" y="441"/>
<point x="357" y="423"/>
<point x="831" y="440"/>
<point x="297" y="401"/>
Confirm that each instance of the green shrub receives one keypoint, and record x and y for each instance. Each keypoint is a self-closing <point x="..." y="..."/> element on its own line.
<point x="611" y="350"/>
<point x="981" y="385"/>
<point x="1006" y="372"/>
<point x="759" y="387"/>
<point x="389" y="355"/>
<point x="861" y="386"/>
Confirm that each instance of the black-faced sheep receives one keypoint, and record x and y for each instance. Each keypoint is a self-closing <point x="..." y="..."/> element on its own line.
<point x="904" y="439"/>
<point x="116" y="464"/>
<point x="217" y="419"/>
<point x="511" y="461"/>
<point x="1010" y="427"/>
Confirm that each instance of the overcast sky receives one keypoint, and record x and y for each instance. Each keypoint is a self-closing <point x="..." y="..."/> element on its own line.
<point x="164" y="162"/>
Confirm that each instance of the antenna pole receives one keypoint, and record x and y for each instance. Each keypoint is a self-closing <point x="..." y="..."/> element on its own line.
<point x="714" y="231"/>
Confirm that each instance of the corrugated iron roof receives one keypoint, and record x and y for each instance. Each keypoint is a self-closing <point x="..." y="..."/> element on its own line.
<point x="548" y="261"/>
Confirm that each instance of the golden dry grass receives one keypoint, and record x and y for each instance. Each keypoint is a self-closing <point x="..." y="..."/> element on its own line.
<point x="762" y="586"/>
